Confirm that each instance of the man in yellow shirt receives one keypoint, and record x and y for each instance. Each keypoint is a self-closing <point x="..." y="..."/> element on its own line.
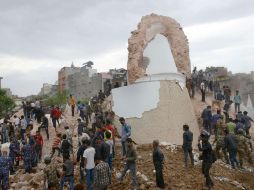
<point x="72" y="103"/>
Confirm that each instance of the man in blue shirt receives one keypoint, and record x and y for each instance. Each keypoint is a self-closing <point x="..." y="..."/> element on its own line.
<point x="126" y="132"/>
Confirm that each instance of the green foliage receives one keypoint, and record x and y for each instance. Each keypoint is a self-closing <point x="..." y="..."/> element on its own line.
<point x="84" y="101"/>
<point x="6" y="103"/>
<point x="59" y="99"/>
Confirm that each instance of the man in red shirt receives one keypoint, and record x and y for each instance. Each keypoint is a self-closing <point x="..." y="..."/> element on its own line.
<point x="53" y="115"/>
<point x="39" y="144"/>
<point x="58" y="115"/>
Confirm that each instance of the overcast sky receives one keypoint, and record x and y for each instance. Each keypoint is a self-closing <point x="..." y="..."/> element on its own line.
<point x="37" y="38"/>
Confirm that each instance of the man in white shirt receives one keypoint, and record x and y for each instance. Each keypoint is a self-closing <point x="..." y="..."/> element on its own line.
<point x="89" y="164"/>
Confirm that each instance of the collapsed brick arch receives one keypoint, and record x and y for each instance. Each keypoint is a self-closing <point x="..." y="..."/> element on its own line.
<point x="149" y="26"/>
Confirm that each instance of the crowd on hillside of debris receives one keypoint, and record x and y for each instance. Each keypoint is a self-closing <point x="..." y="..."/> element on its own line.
<point x="97" y="134"/>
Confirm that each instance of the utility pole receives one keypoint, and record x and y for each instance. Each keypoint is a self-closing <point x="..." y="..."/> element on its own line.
<point x="0" y="82"/>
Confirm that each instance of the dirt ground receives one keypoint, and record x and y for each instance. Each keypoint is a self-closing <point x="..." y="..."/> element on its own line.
<point x="176" y="176"/>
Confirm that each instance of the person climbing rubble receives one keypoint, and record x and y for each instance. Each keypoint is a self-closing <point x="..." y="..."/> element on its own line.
<point x="130" y="163"/>
<point x="51" y="174"/>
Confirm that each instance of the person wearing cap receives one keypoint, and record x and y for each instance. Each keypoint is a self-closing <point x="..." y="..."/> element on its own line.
<point x="5" y="166"/>
<point x="50" y="174"/>
<point x="237" y="100"/>
<point x="231" y="146"/>
<point x="125" y="133"/>
<point x="130" y="163"/>
<point x="206" y="148"/>
<point x="158" y="161"/>
<point x="247" y="122"/>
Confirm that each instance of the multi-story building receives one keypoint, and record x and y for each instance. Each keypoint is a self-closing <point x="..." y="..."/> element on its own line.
<point x="63" y="75"/>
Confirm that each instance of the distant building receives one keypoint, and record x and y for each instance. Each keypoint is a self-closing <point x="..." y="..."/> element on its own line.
<point x="63" y="75"/>
<point x="119" y="77"/>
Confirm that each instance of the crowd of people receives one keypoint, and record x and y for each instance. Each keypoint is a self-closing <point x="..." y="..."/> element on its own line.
<point x="96" y="134"/>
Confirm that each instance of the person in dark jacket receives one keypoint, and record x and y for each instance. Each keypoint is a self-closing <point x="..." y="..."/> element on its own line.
<point x="206" y="149"/>
<point x="45" y="125"/>
<point x="231" y="146"/>
<point x="207" y="118"/>
<point x="158" y="161"/>
<point x="187" y="145"/>
<point x="65" y="147"/>
<point x="80" y="159"/>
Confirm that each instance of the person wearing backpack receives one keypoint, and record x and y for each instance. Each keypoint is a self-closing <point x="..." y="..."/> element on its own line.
<point x="126" y="133"/>
<point x="207" y="157"/>
<point x="231" y="146"/>
<point x="187" y="145"/>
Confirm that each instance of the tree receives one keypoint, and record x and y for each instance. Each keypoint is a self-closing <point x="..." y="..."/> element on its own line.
<point x="59" y="99"/>
<point x="6" y="103"/>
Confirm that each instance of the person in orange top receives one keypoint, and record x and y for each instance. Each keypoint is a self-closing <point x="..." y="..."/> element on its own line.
<point x="72" y="103"/>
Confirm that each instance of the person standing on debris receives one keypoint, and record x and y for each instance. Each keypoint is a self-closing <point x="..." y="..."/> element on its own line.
<point x="243" y="147"/>
<point x="102" y="176"/>
<point x="89" y="164"/>
<point x="231" y="126"/>
<point x="231" y="146"/>
<point x="68" y="172"/>
<point x="72" y="103"/>
<point x="187" y="145"/>
<point x="226" y="110"/>
<point x="58" y="115"/>
<point x="5" y="165"/>
<point x="126" y="133"/>
<point x="203" y="90"/>
<point x="247" y="122"/>
<point x="65" y="147"/>
<point x="237" y="100"/>
<point x="110" y="143"/>
<point x="51" y="174"/>
<point x="45" y="124"/>
<point x="53" y="115"/>
<point x="130" y="163"/>
<point x="4" y="131"/>
<point x="206" y="149"/>
<point x="23" y="125"/>
<point x="219" y="140"/>
<point x="39" y="144"/>
<point x="80" y="159"/>
<point x="207" y="118"/>
<point x="158" y="161"/>
<point x="13" y="151"/>
<point x="27" y="156"/>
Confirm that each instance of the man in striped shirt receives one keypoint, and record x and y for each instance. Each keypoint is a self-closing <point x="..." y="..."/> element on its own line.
<point x="56" y="145"/>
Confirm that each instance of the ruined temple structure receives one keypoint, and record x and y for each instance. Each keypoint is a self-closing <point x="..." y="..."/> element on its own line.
<point x="156" y="102"/>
